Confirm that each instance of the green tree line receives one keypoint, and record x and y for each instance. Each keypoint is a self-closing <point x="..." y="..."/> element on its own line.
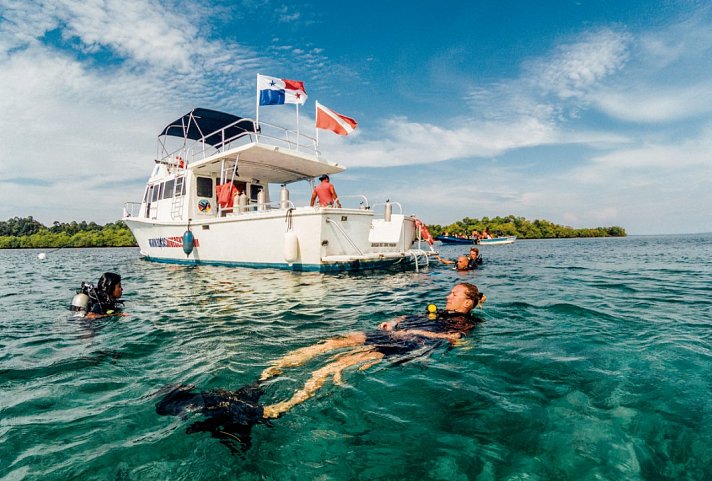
<point x="18" y="233"/>
<point x="523" y="228"/>
<point x="21" y="233"/>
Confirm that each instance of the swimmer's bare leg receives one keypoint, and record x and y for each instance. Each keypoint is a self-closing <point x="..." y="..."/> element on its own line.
<point x="300" y="356"/>
<point x="320" y="376"/>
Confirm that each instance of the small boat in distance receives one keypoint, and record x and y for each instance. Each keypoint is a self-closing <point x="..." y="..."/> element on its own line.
<point x="448" y="239"/>
<point x="207" y="201"/>
<point x="498" y="240"/>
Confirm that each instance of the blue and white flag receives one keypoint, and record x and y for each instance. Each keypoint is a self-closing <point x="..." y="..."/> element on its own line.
<point x="277" y="91"/>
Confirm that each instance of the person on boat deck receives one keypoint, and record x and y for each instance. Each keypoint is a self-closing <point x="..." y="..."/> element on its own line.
<point x="461" y="264"/>
<point x="475" y="259"/>
<point x="486" y="234"/>
<point x="326" y="193"/>
<point x="230" y="415"/>
<point x="105" y="298"/>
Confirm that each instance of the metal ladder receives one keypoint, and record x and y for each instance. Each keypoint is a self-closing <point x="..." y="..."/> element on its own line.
<point x="178" y="200"/>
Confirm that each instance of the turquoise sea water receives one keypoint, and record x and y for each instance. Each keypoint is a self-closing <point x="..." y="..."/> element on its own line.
<point x="594" y="363"/>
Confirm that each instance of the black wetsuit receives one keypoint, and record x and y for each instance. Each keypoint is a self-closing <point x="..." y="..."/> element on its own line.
<point x="473" y="263"/>
<point x="390" y="344"/>
<point x="229" y="415"/>
<point x="102" y="303"/>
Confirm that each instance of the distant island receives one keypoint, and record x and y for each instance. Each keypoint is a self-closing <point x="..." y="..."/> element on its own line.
<point x="26" y="232"/>
<point x="522" y="228"/>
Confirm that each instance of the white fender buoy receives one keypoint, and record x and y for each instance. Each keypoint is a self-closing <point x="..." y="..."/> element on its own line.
<point x="291" y="247"/>
<point x="41" y="256"/>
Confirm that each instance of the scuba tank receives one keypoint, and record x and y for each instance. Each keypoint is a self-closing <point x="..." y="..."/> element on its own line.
<point x="82" y="299"/>
<point x="79" y="305"/>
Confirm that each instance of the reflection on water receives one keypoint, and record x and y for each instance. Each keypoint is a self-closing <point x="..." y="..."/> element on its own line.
<point x="593" y="363"/>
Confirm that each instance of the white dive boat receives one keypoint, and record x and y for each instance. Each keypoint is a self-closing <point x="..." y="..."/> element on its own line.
<point x="190" y="215"/>
<point x="498" y="240"/>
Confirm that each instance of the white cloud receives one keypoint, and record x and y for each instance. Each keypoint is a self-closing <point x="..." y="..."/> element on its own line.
<point x="577" y="66"/>
<point x="409" y="143"/>
<point x="655" y="103"/>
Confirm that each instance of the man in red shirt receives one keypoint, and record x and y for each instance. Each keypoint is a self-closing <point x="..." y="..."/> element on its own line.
<point x="326" y="193"/>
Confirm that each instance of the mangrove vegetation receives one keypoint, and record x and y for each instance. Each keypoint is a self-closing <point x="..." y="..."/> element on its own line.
<point x="522" y="228"/>
<point x="21" y="233"/>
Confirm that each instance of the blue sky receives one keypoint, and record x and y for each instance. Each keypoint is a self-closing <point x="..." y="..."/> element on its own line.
<point x="585" y="113"/>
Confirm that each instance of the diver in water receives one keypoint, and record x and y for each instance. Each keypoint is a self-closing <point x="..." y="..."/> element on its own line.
<point x="475" y="258"/>
<point x="230" y="415"/>
<point x="102" y="300"/>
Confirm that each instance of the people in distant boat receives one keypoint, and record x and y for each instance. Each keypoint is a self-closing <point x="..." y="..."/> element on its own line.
<point x="231" y="415"/>
<point x="475" y="258"/>
<point x="102" y="300"/>
<point x="486" y="234"/>
<point x="326" y="193"/>
<point x="462" y="263"/>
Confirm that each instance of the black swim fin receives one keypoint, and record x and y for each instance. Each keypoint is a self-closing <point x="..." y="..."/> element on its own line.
<point x="230" y="415"/>
<point x="179" y="400"/>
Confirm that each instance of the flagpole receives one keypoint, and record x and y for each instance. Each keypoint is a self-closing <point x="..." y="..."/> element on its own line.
<point x="257" y="105"/>
<point x="316" y="129"/>
<point x="297" y="126"/>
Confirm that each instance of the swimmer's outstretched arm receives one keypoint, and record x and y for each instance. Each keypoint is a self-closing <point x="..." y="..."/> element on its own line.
<point x="93" y="315"/>
<point x="444" y="261"/>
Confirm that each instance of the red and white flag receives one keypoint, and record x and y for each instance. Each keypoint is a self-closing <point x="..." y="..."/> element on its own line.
<point x="330" y="120"/>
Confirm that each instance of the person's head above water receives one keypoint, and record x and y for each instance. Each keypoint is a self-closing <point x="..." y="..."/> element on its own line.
<point x="462" y="263"/>
<point x="110" y="284"/>
<point x="463" y="298"/>
<point x="474" y="252"/>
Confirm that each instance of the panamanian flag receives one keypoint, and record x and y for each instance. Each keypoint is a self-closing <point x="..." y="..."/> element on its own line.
<point x="277" y="91"/>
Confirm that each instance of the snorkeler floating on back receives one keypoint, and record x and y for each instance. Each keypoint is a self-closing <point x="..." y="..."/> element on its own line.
<point x="230" y="415"/>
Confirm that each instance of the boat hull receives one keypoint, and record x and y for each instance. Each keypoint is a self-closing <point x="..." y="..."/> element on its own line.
<point x="327" y="239"/>
<point x="498" y="240"/>
<point x="454" y="240"/>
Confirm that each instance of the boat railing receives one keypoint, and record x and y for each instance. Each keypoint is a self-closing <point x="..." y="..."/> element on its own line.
<point x="384" y="204"/>
<point x="269" y="134"/>
<point x="257" y="207"/>
<point x="363" y="204"/>
<point x="132" y="209"/>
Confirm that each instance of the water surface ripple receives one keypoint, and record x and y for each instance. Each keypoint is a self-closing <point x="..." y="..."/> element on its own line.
<point x="594" y="362"/>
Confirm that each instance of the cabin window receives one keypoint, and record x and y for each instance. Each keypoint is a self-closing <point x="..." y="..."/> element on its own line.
<point x="156" y="193"/>
<point x="147" y="194"/>
<point x="204" y="186"/>
<point x="168" y="189"/>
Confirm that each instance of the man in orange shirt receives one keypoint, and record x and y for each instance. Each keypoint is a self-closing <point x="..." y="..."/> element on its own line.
<point x="326" y="193"/>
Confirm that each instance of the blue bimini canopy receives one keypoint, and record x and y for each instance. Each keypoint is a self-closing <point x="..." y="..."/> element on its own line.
<point x="209" y="126"/>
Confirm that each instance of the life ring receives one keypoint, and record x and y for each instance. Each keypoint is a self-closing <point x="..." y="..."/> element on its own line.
<point x="424" y="232"/>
